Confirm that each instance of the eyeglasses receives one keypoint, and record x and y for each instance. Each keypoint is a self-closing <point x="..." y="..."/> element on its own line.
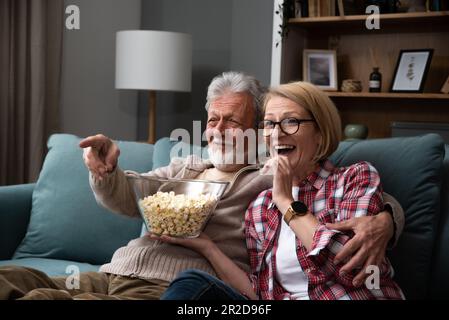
<point x="288" y="126"/>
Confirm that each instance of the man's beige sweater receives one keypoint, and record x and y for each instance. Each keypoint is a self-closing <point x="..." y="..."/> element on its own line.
<point x="149" y="259"/>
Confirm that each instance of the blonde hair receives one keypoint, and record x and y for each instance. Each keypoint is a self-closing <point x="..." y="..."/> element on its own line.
<point x="320" y="107"/>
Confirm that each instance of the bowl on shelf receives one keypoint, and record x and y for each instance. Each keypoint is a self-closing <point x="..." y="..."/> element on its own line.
<point x="351" y="85"/>
<point x="176" y="207"/>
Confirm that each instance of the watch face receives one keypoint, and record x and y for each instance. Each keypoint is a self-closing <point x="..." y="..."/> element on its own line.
<point x="299" y="207"/>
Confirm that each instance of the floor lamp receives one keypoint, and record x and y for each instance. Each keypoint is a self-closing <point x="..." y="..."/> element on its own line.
<point x="153" y="61"/>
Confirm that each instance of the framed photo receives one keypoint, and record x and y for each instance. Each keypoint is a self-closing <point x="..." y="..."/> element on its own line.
<point x="411" y="70"/>
<point x="320" y="68"/>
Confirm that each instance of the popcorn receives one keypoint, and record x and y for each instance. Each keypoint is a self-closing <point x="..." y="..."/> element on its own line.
<point x="177" y="215"/>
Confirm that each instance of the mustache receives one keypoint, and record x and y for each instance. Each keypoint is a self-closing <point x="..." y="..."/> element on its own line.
<point x="219" y="137"/>
<point x="222" y="141"/>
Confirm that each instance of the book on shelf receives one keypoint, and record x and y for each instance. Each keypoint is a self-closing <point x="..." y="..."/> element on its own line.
<point x="340" y="11"/>
<point x="437" y="5"/>
<point x="313" y="8"/>
<point x="434" y="5"/>
<point x="321" y="8"/>
<point x="304" y="8"/>
<point x="327" y="8"/>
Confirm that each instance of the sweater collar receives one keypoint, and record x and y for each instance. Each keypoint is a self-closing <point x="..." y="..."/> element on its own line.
<point x="196" y="163"/>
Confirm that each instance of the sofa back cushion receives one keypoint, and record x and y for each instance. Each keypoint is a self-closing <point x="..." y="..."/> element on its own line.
<point x="165" y="149"/>
<point x="66" y="222"/>
<point x="440" y="273"/>
<point x="410" y="170"/>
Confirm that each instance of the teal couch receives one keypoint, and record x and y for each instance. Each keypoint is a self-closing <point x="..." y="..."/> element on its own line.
<point x="56" y="225"/>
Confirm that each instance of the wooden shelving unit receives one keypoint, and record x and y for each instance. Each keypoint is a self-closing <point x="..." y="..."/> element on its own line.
<point x="359" y="50"/>
<point x="388" y="95"/>
<point x="388" y="19"/>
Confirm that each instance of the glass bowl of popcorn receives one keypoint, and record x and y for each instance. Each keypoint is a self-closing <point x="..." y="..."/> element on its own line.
<point x="176" y="207"/>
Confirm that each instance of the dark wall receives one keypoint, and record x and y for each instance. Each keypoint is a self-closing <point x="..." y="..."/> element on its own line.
<point x="227" y="35"/>
<point x="252" y="25"/>
<point x="90" y="103"/>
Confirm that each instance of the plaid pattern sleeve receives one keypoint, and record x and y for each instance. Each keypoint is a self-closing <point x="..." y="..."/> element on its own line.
<point x="362" y="196"/>
<point x="255" y="236"/>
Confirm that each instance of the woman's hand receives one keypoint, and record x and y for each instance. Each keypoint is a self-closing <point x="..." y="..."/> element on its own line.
<point x="201" y="244"/>
<point x="282" y="181"/>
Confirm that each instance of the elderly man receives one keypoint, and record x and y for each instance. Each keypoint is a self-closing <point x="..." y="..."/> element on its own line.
<point x="145" y="267"/>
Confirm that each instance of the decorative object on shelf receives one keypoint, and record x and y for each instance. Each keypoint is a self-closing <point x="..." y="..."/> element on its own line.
<point x="301" y="8"/>
<point x="153" y="60"/>
<point x="445" y="88"/>
<point x="411" y="70"/>
<point x="375" y="80"/>
<point x="412" y="6"/>
<point x="355" y="131"/>
<point x="351" y="85"/>
<point x="320" y="68"/>
<point x="298" y="9"/>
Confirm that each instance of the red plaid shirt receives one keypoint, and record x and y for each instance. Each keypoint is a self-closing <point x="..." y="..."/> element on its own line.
<point x="331" y="194"/>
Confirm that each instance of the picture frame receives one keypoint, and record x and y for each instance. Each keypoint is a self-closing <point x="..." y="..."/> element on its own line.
<point x="411" y="70"/>
<point x="320" y="68"/>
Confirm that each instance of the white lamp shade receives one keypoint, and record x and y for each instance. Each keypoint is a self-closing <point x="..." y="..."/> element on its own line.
<point x="153" y="60"/>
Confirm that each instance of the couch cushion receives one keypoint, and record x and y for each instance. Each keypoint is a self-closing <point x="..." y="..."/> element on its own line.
<point x="165" y="149"/>
<point x="15" y="207"/>
<point x="51" y="267"/>
<point x="440" y="272"/>
<point x="66" y="222"/>
<point x="410" y="170"/>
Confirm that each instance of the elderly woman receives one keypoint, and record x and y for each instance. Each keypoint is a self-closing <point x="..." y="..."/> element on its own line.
<point x="291" y="249"/>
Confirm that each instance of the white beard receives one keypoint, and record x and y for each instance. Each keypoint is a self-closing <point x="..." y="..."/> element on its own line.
<point x="220" y="159"/>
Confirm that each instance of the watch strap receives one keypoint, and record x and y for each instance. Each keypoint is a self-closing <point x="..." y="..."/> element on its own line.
<point x="290" y="213"/>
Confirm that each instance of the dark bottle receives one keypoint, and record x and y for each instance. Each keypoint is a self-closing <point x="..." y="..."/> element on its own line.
<point x="375" y="81"/>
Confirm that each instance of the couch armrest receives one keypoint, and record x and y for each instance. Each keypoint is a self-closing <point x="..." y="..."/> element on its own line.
<point x="15" y="208"/>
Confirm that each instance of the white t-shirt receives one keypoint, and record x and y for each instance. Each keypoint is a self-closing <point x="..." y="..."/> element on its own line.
<point x="289" y="273"/>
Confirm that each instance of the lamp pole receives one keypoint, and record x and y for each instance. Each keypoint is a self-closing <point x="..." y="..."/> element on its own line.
<point x="151" y="116"/>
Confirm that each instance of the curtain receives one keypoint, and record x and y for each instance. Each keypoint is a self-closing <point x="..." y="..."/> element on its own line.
<point x="30" y="68"/>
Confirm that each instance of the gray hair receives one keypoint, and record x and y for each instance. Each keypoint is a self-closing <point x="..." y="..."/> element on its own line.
<point x="237" y="82"/>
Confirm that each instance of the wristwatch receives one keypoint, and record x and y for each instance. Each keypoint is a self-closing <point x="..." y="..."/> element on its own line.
<point x="297" y="208"/>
